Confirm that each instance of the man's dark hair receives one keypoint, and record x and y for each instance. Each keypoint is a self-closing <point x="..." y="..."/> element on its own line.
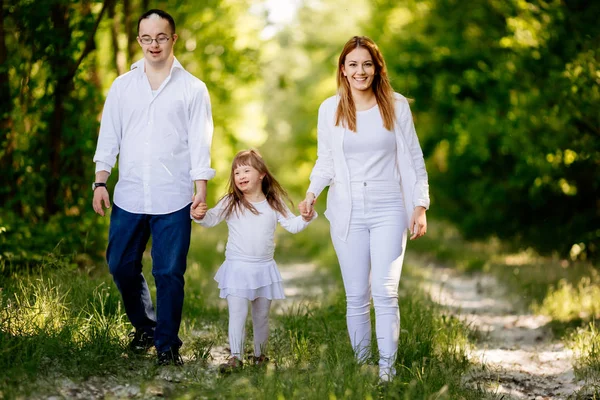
<point x="160" y="13"/>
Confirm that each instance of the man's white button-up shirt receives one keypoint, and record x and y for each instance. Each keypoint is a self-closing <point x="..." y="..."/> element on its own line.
<point x="163" y="139"/>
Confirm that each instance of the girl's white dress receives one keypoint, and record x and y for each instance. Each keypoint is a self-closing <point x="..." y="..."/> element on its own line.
<point x="249" y="269"/>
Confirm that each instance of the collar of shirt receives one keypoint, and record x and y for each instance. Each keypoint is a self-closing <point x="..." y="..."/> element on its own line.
<point x="140" y="66"/>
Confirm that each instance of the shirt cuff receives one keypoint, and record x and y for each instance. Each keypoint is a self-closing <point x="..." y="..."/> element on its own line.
<point x="100" y="166"/>
<point x="202" y="174"/>
<point x="317" y="184"/>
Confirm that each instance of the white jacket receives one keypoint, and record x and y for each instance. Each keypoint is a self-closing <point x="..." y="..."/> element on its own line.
<point x="331" y="169"/>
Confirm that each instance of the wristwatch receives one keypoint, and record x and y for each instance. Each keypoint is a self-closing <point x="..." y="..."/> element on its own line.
<point x="97" y="185"/>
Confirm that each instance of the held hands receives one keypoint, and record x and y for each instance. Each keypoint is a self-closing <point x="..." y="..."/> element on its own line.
<point x="100" y="197"/>
<point x="303" y="208"/>
<point x="199" y="211"/>
<point x="418" y="223"/>
<point x="306" y="207"/>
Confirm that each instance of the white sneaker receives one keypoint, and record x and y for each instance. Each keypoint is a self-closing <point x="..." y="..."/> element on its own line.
<point x="386" y="374"/>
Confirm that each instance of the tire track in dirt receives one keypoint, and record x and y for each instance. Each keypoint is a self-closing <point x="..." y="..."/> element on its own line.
<point x="516" y="355"/>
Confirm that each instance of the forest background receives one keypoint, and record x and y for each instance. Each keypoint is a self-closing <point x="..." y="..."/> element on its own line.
<point x="505" y="96"/>
<point x="505" y="99"/>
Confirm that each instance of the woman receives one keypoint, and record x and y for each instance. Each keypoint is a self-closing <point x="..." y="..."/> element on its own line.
<point x="369" y="156"/>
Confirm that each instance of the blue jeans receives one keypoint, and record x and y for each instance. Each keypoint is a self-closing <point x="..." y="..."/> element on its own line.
<point x="127" y="239"/>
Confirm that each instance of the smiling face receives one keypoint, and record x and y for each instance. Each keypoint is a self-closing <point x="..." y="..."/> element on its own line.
<point x="155" y="27"/>
<point x="359" y="69"/>
<point x="248" y="180"/>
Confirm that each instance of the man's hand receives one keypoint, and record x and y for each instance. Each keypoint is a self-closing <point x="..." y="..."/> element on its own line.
<point x="200" y="196"/>
<point x="306" y="212"/>
<point x="418" y="223"/>
<point x="199" y="212"/>
<point x="100" y="197"/>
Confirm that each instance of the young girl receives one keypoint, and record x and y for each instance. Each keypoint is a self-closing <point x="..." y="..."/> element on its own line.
<point x="252" y="207"/>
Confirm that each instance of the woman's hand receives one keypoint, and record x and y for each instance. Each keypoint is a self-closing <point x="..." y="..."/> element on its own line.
<point x="306" y="210"/>
<point x="418" y="223"/>
<point x="306" y="215"/>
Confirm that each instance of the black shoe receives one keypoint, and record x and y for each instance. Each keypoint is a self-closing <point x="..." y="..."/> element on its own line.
<point x="260" y="361"/>
<point x="141" y="342"/>
<point x="169" y="357"/>
<point x="234" y="364"/>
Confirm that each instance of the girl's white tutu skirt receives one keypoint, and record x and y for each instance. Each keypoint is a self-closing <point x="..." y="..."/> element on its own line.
<point x="250" y="280"/>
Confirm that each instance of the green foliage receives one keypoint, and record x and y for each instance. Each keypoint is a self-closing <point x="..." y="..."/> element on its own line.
<point x="506" y="99"/>
<point x="50" y="113"/>
<point x="61" y="241"/>
<point x="299" y="74"/>
<point x="54" y="107"/>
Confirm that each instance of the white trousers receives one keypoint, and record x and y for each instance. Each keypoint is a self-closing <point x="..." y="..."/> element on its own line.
<point x="371" y="263"/>
<point x="238" y="312"/>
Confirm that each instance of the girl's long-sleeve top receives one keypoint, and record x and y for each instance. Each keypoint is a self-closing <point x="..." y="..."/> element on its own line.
<point x="252" y="237"/>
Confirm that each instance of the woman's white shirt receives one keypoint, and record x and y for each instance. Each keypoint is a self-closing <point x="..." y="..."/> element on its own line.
<point x="371" y="150"/>
<point x="331" y="168"/>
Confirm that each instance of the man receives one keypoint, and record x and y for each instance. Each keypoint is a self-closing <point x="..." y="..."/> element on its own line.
<point x="157" y="118"/>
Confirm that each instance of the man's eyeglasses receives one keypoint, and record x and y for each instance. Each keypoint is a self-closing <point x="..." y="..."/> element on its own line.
<point x="160" y="39"/>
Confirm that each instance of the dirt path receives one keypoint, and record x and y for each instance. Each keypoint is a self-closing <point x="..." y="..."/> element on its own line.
<point x="522" y="359"/>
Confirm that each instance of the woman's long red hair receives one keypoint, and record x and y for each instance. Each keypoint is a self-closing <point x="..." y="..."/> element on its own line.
<point x="384" y="93"/>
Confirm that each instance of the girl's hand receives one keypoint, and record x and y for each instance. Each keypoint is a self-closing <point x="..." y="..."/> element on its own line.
<point x="418" y="223"/>
<point x="199" y="211"/>
<point x="306" y="206"/>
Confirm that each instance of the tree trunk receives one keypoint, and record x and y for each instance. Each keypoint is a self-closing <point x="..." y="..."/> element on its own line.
<point x="7" y="143"/>
<point x="63" y="69"/>
<point x="60" y="64"/>
<point x="114" y="33"/>
<point x="130" y="31"/>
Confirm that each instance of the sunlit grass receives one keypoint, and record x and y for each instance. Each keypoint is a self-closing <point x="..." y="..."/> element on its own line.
<point x="68" y="324"/>
<point x="60" y="323"/>
<point x="568" y="302"/>
<point x="39" y="306"/>
<point x="562" y="289"/>
<point x="585" y="343"/>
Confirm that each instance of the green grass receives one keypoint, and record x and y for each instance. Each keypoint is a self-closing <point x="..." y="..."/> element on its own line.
<point x="63" y="328"/>
<point x="585" y="343"/>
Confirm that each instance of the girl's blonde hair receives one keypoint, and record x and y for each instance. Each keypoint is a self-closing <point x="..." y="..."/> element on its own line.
<point x="384" y="93"/>
<point x="275" y="194"/>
